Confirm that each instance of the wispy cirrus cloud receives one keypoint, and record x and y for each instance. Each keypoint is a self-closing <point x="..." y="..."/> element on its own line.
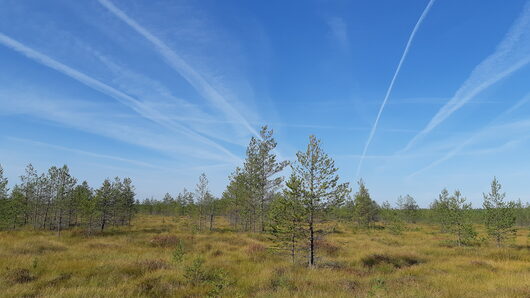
<point x="339" y="31"/>
<point x="194" y="78"/>
<point x="114" y="158"/>
<point x="88" y="153"/>
<point x="391" y="86"/>
<point x="158" y="97"/>
<point x="510" y="55"/>
<point x="491" y="129"/>
<point x="136" y="105"/>
<point x="98" y="119"/>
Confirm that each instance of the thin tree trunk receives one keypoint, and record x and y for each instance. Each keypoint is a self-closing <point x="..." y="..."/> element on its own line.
<point x="293" y="251"/>
<point x="60" y="223"/>
<point x="311" y="241"/>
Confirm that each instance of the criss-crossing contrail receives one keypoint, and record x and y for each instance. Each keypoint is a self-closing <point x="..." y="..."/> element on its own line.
<point x="176" y="62"/>
<point x="389" y="90"/>
<point x="118" y="95"/>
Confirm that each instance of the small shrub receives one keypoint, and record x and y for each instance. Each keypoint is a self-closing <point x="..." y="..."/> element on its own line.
<point x="327" y="247"/>
<point x="139" y="268"/>
<point x="255" y="248"/>
<point x="482" y="264"/>
<point x="333" y="265"/>
<point x="153" y="287"/>
<point x="178" y="253"/>
<point x="217" y="253"/>
<point x="207" y="247"/>
<point x="164" y="241"/>
<point x="383" y="259"/>
<point x="279" y="280"/>
<point x="19" y="276"/>
<point x="505" y="255"/>
<point x="39" y="247"/>
<point x="195" y="272"/>
<point x="378" y="283"/>
<point x="153" y="265"/>
<point x="59" y="279"/>
<point x="219" y="281"/>
<point x="351" y="285"/>
<point x="396" y="228"/>
<point x="102" y="245"/>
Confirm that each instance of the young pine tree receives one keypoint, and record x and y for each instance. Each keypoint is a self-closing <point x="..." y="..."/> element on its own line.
<point x="319" y="184"/>
<point x="453" y="214"/>
<point x="287" y="217"/>
<point x="103" y="203"/>
<point x="261" y="168"/>
<point x="391" y="218"/>
<point x="365" y="210"/>
<point x="205" y="201"/>
<point x="87" y="205"/>
<point x="240" y="206"/>
<point x="4" y="199"/>
<point x="3" y="184"/>
<point x="499" y="216"/>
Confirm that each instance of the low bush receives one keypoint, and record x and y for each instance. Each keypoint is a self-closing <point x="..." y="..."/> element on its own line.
<point x="164" y="241"/>
<point x="19" y="276"/>
<point x="327" y="247"/>
<point x="383" y="259"/>
<point x="39" y="247"/>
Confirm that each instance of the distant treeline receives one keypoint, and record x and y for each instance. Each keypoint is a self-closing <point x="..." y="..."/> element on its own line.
<point x="184" y="204"/>
<point x="55" y="201"/>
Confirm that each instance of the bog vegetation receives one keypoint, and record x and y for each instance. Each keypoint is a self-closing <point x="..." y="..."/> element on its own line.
<point x="309" y="234"/>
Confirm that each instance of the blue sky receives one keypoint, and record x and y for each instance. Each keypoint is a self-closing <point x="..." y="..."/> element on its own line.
<point x="161" y="91"/>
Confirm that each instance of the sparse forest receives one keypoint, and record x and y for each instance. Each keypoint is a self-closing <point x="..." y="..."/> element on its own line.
<point x="280" y="228"/>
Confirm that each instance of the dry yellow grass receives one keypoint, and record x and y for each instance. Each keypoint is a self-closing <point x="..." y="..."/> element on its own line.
<point x="137" y="261"/>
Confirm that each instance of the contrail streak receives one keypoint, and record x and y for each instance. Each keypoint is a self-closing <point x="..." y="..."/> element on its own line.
<point x="123" y="98"/>
<point x="473" y="138"/>
<point x="182" y="67"/>
<point x="391" y="86"/>
<point x="510" y="55"/>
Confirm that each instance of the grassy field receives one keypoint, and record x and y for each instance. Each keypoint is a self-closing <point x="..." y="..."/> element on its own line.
<point x="138" y="261"/>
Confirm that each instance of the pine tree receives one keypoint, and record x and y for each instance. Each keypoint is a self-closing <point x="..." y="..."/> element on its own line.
<point x="16" y="208"/>
<point x="184" y="204"/>
<point x="409" y="208"/>
<point x="62" y="184"/>
<point x="453" y="214"/>
<point x="318" y="178"/>
<point x="365" y="210"/>
<point x="30" y="201"/>
<point x="104" y="196"/>
<point x="4" y="200"/>
<point x="287" y="217"/>
<point x="391" y="218"/>
<point x="205" y="201"/>
<point x="127" y="202"/>
<point x="241" y="208"/>
<point x="261" y="167"/>
<point x="87" y="205"/>
<point x="499" y="216"/>
<point x="3" y="185"/>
